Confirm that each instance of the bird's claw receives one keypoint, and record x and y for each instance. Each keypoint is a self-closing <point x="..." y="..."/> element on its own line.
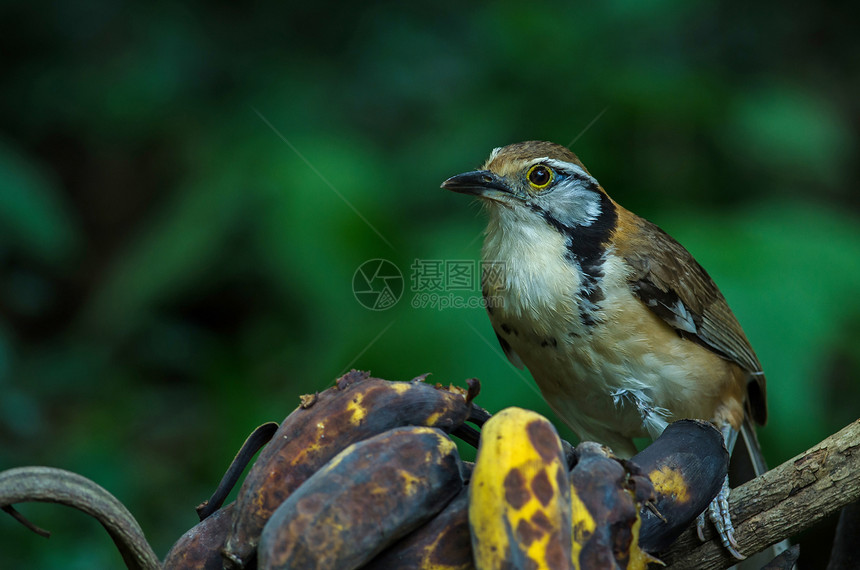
<point x="700" y="526"/>
<point x="718" y="512"/>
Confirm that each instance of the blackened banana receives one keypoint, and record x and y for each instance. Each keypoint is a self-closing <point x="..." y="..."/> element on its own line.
<point x="606" y="517"/>
<point x="200" y="547"/>
<point x="443" y="543"/>
<point x="363" y="500"/>
<point x="356" y="408"/>
<point x="687" y="465"/>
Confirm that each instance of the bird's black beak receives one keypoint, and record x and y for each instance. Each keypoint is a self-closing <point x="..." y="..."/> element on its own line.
<point x="481" y="183"/>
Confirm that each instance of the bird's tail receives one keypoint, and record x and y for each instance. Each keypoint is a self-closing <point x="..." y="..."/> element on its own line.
<point x="747" y="461"/>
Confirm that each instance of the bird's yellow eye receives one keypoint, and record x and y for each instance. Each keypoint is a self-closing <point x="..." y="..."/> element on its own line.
<point x="540" y="176"/>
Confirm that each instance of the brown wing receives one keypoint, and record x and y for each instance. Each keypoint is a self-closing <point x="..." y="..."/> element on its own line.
<point x="673" y="285"/>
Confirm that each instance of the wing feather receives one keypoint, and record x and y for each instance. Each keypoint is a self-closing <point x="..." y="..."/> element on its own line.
<point x="679" y="290"/>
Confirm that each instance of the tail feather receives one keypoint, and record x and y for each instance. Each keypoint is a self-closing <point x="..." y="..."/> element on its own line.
<point x="747" y="461"/>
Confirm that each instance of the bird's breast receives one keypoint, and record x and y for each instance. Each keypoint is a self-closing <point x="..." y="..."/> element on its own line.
<point x="607" y="364"/>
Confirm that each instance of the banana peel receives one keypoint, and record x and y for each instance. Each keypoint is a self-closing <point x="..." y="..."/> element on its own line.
<point x="356" y="408"/>
<point x="443" y="543"/>
<point x="362" y="501"/>
<point x="687" y="465"/>
<point x="519" y="495"/>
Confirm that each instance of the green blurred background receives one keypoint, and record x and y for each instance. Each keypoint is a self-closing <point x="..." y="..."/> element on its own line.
<point x="186" y="192"/>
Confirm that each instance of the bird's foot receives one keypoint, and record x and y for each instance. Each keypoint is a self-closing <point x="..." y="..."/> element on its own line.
<point x="718" y="512"/>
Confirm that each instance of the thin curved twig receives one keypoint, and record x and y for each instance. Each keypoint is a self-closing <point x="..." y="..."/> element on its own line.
<point x="51" y="485"/>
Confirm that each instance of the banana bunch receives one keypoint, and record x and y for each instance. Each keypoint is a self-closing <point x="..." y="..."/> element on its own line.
<point x="349" y="473"/>
<point x="366" y="475"/>
<point x="527" y="510"/>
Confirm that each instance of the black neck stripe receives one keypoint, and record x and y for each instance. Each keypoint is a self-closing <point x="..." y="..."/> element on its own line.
<point x="586" y="246"/>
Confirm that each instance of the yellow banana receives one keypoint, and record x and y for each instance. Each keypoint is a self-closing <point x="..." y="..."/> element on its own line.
<point x="519" y="497"/>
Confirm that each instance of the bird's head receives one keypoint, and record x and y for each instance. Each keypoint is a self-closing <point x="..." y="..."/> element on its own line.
<point x="535" y="180"/>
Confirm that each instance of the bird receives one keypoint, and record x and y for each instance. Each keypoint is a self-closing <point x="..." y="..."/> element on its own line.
<point x="621" y="328"/>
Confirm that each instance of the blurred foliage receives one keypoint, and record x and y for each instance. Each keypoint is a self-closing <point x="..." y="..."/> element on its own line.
<point x="186" y="191"/>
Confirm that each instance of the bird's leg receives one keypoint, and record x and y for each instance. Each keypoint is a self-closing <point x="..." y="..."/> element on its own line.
<point x="718" y="510"/>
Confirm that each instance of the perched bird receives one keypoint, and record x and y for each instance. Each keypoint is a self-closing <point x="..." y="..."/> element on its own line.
<point x="621" y="328"/>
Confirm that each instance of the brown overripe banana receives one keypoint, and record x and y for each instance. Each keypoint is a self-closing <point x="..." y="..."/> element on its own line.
<point x="200" y="546"/>
<point x="363" y="500"/>
<point x="687" y="465"/>
<point x="356" y="408"/>
<point x="606" y="499"/>
<point x="442" y="543"/>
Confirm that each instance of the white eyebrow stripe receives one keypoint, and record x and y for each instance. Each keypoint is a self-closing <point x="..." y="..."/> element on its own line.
<point x="545" y="160"/>
<point x="568" y="167"/>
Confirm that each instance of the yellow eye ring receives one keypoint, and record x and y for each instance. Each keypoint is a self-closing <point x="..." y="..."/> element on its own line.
<point x="540" y="176"/>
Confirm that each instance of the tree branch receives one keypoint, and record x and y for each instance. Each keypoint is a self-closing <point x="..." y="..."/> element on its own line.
<point x="50" y="485"/>
<point x="781" y="503"/>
